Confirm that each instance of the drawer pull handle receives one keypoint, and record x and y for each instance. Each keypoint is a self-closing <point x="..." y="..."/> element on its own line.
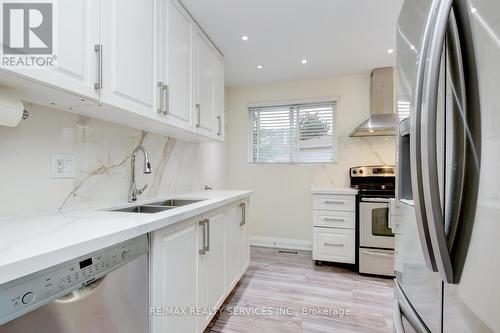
<point x="335" y="244"/>
<point x="334" y="202"/>
<point x="334" y="219"/>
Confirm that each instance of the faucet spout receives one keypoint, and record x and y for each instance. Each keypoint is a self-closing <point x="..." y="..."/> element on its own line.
<point x="133" y="191"/>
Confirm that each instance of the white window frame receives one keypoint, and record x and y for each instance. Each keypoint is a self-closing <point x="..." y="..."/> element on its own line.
<point x="291" y="103"/>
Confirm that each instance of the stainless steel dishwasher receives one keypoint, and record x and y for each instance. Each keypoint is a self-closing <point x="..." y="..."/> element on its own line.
<point x="104" y="291"/>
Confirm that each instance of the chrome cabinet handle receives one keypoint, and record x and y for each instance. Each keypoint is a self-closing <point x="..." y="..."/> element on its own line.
<point x="198" y="115"/>
<point x="333" y="219"/>
<point x="166" y="91"/>
<point x="334" y="202"/>
<point x="334" y="244"/>
<point x="415" y="145"/>
<point x="207" y="222"/>
<point x="219" y="132"/>
<point x="159" y="85"/>
<point x="98" y="51"/>
<point x="243" y="214"/>
<point x="203" y="249"/>
<point x="432" y="197"/>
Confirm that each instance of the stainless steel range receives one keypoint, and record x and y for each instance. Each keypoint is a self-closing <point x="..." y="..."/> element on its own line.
<point x="375" y="239"/>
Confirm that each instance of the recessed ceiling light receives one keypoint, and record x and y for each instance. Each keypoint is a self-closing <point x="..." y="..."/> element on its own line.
<point x="260" y="66"/>
<point x="304" y="61"/>
<point x="390" y="51"/>
<point x="244" y="37"/>
<point x="473" y="10"/>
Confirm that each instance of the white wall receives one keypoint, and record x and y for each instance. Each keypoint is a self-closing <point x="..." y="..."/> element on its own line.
<point x="281" y="208"/>
<point x="102" y="152"/>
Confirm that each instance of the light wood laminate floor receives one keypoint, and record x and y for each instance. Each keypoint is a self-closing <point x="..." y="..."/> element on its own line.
<point x="283" y="292"/>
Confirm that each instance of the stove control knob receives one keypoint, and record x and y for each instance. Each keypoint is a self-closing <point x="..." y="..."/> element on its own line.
<point x="354" y="172"/>
<point x="361" y="171"/>
<point x="124" y="255"/>
<point x="28" y="298"/>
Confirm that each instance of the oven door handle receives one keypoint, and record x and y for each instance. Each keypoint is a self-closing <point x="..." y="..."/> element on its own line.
<point x="378" y="254"/>
<point x="382" y="200"/>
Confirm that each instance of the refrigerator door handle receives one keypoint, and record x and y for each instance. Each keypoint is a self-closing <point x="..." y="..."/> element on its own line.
<point x="415" y="145"/>
<point x="398" y="318"/>
<point x="430" y="176"/>
<point x="406" y="309"/>
<point x="458" y="149"/>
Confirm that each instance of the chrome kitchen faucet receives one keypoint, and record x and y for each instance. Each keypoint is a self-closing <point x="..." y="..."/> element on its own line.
<point x="133" y="192"/>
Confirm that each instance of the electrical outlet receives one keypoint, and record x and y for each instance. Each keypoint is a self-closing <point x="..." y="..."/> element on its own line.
<point x="62" y="166"/>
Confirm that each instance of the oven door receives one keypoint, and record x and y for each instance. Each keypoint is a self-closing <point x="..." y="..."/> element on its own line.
<point x="375" y="230"/>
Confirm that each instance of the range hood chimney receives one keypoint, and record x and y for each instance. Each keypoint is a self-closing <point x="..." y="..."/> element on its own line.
<point x="382" y="121"/>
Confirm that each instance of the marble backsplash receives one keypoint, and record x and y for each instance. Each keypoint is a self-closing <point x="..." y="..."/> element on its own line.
<point x="102" y="152"/>
<point x="352" y="152"/>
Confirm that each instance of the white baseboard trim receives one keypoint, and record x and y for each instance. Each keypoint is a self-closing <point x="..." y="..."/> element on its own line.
<point x="282" y="243"/>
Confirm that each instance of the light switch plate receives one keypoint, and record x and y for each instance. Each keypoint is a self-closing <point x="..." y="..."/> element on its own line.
<point x="62" y="166"/>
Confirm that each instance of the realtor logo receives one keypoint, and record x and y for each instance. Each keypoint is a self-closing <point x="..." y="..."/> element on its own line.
<point x="28" y="36"/>
<point x="27" y="28"/>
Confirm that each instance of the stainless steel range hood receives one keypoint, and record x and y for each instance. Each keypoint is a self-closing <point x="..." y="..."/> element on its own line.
<point x="382" y="121"/>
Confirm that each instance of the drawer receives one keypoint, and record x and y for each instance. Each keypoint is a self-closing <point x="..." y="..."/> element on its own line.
<point x="335" y="202"/>
<point x="337" y="245"/>
<point x="334" y="219"/>
<point x="375" y="261"/>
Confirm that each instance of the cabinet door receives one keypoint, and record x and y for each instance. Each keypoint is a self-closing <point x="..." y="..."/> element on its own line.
<point x="175" y="64"/>
<point x="173" y="276"/>
<point x="204" y="89"/>
<point x="244" y="245"/>
<point x="128" y="55"/>
<point x="332" y="244"/>
<point x="211" y="286"/>
<point x="77" y="29"/>
<point x="219" y="96"/>
<point x="231" y="245"/>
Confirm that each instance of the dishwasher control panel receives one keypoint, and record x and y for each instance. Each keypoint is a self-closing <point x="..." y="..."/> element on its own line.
<point x="28" y="293"/>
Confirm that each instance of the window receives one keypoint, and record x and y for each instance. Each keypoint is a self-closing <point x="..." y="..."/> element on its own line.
<point x="298" y="133"/>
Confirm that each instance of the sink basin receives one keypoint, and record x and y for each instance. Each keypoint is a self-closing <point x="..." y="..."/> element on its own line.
<point x="148" y="209"/>
<point x="176" y="202"/>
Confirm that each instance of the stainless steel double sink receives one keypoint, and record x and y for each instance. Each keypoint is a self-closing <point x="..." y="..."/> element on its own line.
<point x="156" y="207"/>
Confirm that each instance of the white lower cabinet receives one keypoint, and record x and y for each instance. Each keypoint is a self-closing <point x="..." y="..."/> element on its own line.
<point x="211" y="288"/>
<point x="231" y="235"/>
<point x="337" y="245"/>
<point x="243" y="240"/>
<point x="334" y="227"/>
<point x="194" y="266"/>
<point x="174" y="258"/>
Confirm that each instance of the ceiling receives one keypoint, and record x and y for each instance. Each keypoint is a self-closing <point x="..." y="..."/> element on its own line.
<point x="336" y="37"/>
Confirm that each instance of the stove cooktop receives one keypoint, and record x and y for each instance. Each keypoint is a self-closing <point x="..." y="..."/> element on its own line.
<point x="373" y="180"/>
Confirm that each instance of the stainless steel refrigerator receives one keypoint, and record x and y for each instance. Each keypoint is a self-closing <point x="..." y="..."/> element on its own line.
<point x="447" y="210"/>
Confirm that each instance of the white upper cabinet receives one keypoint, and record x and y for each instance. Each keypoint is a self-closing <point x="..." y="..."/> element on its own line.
<point x="128" y="55"/>
<point x="140" y="63"/>
<point x="175" y="64"/>
<point x="76" y="32"/>
<point x="204" y="84"/>
<point x="219" y="96"/>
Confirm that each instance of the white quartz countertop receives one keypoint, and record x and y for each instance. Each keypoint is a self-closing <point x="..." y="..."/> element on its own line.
<point x="338" y="190"/>
<point x="31" y="243"/>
